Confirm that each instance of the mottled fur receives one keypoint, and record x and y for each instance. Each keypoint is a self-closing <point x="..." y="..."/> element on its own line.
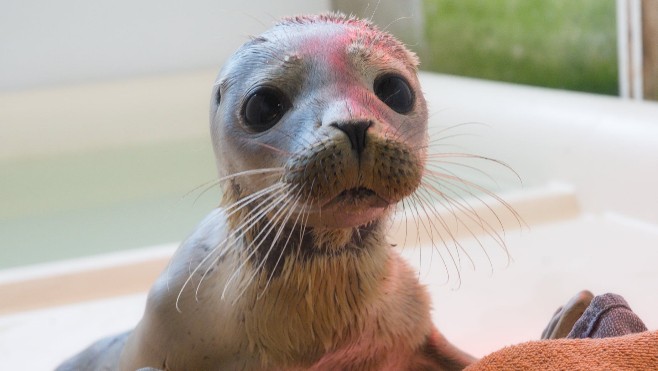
<point x="294" y="271"/>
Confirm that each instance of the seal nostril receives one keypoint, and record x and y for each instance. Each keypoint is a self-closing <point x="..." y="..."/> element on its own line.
<point x="355" y="131"/>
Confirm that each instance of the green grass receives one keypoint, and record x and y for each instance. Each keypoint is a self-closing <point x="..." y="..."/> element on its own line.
<point x="565" y="44"/>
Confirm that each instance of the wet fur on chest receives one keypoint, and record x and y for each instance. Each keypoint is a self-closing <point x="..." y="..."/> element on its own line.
<point x="354" y="304"/>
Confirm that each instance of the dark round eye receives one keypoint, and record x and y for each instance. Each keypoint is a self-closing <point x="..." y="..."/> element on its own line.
<point x="264" y="108"/>
<point x="395" y="92"/>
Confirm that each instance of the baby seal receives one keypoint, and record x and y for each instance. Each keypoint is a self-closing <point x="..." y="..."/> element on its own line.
<point x="319" y="127"/>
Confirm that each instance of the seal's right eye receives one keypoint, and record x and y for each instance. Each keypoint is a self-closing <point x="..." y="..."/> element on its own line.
<point x="264" y="108"/>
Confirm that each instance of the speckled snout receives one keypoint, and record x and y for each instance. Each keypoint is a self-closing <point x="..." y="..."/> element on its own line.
<point x="350" y="157"/>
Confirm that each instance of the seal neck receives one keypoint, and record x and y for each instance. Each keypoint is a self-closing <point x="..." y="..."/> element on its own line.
<point x="304" y="245"/>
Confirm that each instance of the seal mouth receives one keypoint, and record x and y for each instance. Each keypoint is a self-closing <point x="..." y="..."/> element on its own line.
<point x="360" y="197"/>
<point x="350" y="208"/>
<point x="357" y="193"/>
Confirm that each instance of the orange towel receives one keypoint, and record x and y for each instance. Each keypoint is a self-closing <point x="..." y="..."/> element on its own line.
<point x="631" y="352"/>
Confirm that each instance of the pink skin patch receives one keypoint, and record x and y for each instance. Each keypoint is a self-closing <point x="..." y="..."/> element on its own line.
<point x="351" y="208"/>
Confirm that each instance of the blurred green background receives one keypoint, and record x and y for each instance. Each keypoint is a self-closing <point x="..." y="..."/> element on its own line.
<point x="565" y="44"/>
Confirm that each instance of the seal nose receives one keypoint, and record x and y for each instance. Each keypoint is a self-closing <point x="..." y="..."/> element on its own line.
<point x="355" y="131"/>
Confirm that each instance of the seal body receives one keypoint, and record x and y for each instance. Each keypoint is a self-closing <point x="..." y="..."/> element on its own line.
<point x="319" y="128"/>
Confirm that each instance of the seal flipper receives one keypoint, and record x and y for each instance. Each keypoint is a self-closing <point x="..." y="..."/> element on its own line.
<point x="564" y="319"/>
<point x="439" y="354"/>
<point x="101" y="355"/>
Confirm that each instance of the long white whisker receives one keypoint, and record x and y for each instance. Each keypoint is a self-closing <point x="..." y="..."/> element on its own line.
<point x="427" y="184"/>
<point x="434" y="168"/>
<point x="251" y="172"/>
<point x="455" y="242"/>
<point x="287" y="209"/>
<point x="273" y="205"/>
<point x="238" y="205"/>
<point x="474" y="157"/>
<point x="471" y="213"/>
<point x="467" y="185"/>
<point x="257" y="242"/>
<point x="223" y="244"/>
<point x="285" y="245"/>
<point x="430" y="229"/>
<point x="416" y="201"/>
<point x="215" y="182"/>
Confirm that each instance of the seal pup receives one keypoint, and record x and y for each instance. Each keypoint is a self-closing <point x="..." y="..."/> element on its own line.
<point x="319" y="128"/>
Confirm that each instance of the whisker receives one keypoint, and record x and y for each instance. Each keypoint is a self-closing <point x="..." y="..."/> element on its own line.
<point x="216" y="182"/>
<point x="433" y="184"/>
<point x="251" y="172"/>
<point x="403" y="204"/>
<point x="458" y="221"/>
<point x="466" y="209"/>
<point x="212" y="183"/>
<point x="273" y="222"/>
<point x="217" y="248"/>
<point x="414" y="198"/>
<point x="467" y="185"/>
<point x="470" y="211"/>
<point x="275" y="149"/>
<point x="285" y="245"/>
<point x="288" y="208"/>
<point x="274" y="204"/>
<point x="239" y="228"/>
<point x="478" y="157"/>
<point x="431" y="229"/>
<point x="372" y="15"/>
<point x="415" y="221"/>
<point x="435" y="131"/>
<point x="245" y="201"/>
<point x="395" y="21"/>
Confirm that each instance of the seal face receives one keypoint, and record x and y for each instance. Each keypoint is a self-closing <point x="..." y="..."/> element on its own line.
<point x="336" y="106"/>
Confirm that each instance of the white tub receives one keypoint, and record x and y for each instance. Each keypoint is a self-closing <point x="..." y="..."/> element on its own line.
<point x="589" y="170"/>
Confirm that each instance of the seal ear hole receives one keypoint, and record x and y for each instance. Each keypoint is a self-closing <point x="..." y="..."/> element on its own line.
<point x="264" y="107"/>
<point x="395" y="92"/>
<point x="218" y="96"/>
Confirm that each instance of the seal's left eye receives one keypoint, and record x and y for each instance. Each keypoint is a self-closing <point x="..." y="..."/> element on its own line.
<point x="394" y="90"/>
<point x="264" y="108"/>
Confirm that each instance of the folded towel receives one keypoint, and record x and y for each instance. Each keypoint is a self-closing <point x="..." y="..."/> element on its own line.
<point x="630" y="352"/>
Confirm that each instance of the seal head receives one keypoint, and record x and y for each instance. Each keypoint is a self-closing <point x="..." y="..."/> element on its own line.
<point x="336" y="106"/>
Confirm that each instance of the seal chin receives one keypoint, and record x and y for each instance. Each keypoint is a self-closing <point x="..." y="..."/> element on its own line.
<point x="351" y="208"/>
